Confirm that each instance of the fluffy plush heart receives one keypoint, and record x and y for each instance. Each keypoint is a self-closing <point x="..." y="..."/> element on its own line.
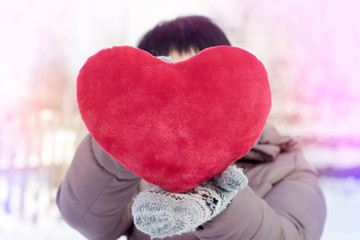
<point x="174" y="124"/>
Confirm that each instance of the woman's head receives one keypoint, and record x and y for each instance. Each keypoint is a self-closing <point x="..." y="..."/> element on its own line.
<point x="183" y="35"/>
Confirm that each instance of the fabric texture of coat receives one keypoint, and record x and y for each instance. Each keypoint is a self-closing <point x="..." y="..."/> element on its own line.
<point x="282" y="200"/>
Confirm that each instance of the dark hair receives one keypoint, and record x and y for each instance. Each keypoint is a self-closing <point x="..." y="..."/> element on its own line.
<point x="182" y="34"/>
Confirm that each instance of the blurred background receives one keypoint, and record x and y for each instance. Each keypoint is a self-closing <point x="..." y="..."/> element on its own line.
<point x="310" y="49"/>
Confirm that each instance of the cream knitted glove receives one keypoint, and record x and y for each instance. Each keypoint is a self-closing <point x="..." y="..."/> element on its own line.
<point x="161" y="213"/>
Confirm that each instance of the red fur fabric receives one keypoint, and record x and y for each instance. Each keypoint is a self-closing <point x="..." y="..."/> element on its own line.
<point x="174" y="124"/>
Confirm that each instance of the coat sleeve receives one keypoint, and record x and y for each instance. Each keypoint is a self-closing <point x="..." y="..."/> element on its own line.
<point x="293" y="209"/>
<point x="96" y="194"/>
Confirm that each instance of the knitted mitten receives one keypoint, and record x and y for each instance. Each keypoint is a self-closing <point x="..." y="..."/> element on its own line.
<point x="160" y="213"/>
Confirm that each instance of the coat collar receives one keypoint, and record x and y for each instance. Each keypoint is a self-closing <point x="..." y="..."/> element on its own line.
<point x="268" y="147"/>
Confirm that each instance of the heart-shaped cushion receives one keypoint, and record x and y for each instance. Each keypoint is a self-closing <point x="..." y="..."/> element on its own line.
<point x="174" y="124"/>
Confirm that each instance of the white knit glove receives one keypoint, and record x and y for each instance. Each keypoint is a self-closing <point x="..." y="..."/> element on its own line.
<point x="161" y="213"/>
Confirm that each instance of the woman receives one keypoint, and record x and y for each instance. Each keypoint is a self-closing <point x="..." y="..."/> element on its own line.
<point x="281" y="201"/>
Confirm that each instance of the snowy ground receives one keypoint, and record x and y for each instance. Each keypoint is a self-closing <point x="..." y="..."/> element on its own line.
<point x="343" y="199"/>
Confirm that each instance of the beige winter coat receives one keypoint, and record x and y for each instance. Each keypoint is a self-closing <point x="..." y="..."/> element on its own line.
<point x="282" y="201"/>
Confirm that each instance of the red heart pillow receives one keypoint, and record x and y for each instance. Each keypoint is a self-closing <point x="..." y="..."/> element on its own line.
<point x="174" y="124"/>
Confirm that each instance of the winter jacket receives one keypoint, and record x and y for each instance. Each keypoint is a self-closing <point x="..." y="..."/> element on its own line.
<point x="282" y="200"/>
